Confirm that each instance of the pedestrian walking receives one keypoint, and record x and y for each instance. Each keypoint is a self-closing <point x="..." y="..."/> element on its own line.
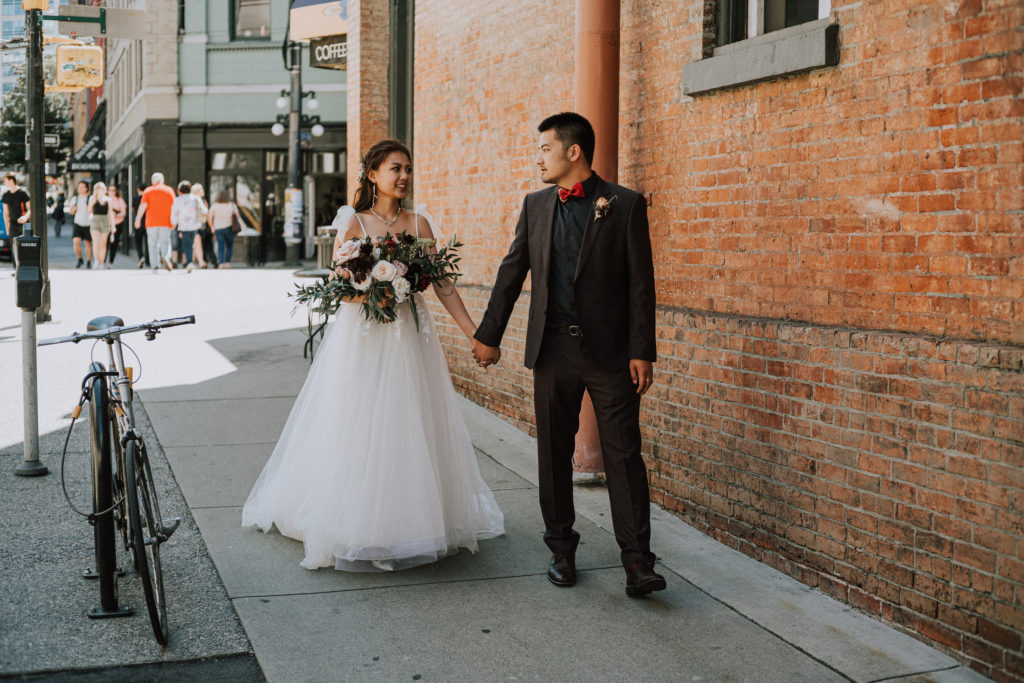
<point x="186" y="216"/>
<point x="17" y="212"/>
<point x="221" y="220"/>
<point x="119" y="217"/>
<point x="579" y="240"/>
<point x="155" y="208"/>
<point x="203" y="247"/>
<point x="139" y="233"/>
<point x="80" y="224"/>
<point x="58" y="213"/>
<point x="100" y="223"/>
<point x="379" y="496"/>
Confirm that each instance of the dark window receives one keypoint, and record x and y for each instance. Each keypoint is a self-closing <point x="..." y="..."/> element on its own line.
<point x="400" y="77"/>
<point x="251" y="19"/>
<point x="734" y="17"/>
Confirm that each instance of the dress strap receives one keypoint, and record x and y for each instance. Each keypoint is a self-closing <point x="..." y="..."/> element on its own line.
<point x="359" y="218"/>
<point x="416" y="222"/>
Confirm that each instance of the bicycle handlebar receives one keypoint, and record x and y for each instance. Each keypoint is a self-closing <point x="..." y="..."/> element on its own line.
<point x="112" y="333"/>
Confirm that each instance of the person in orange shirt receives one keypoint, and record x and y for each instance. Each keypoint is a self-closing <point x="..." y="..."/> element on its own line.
<point x="156" y="209"/>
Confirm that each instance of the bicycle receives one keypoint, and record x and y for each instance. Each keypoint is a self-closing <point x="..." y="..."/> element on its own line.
<point x="124" y="493"/>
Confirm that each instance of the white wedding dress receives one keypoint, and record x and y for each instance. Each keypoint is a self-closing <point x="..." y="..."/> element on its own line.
<point x="375" y="469"/>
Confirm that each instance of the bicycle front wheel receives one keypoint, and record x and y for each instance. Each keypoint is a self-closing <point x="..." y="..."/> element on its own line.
<point x="146" y="531"/>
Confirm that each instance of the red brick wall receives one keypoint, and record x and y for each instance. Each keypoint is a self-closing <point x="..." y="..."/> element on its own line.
<point x="366" y="107"/>
<point x="840" y="260"/>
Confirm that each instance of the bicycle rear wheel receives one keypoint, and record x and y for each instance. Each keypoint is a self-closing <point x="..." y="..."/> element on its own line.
<point x="145" y="529"/>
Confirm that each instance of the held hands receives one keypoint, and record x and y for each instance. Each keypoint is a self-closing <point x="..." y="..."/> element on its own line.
<point x="642" y="373"/>
<point x="485" y="355"/>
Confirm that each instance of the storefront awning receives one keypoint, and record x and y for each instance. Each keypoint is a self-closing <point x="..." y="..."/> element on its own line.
<point x="318" y="18"/>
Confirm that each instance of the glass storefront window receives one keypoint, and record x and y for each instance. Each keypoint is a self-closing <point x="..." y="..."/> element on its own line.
<point x="239" y="175"/>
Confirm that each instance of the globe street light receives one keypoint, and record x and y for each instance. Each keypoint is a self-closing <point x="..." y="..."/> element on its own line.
<point x="295" y="121"/>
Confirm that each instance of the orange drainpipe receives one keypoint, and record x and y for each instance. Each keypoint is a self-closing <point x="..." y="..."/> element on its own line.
<point x="597" y="98"/>
<point x="597" y="79"/>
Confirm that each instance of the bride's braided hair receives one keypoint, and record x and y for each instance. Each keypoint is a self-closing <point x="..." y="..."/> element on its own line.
<point x="363" y="198"/>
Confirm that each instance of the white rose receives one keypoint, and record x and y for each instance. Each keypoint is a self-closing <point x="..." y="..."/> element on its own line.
<point x="362" y="285"/>
<point x="402" y="288"/>
<point x="384" y="271"/>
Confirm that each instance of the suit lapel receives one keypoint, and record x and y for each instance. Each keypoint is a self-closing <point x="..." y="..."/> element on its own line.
<point x="542" y="219"/>
<point x="593" y="227"/>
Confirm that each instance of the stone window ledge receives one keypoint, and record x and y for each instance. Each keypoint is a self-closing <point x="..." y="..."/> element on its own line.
<point x="780" y="53"/>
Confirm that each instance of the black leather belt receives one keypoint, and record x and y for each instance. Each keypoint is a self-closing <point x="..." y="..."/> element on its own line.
<point x="571" y="330"/>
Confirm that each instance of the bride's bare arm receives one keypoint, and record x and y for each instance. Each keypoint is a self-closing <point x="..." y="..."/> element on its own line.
<point x="353" y="232"/>
<point x="448" y="294"/>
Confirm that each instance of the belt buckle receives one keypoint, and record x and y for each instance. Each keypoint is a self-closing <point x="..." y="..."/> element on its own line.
<point x="575" y="331"/>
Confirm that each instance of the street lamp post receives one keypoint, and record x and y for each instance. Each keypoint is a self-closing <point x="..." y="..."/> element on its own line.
<point x="295" y="120"/>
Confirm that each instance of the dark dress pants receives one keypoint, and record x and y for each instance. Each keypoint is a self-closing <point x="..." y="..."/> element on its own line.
<point x="560" y="375"/>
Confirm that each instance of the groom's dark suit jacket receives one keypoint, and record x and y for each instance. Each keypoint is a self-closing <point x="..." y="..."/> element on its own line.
<point x="613" y="285"/>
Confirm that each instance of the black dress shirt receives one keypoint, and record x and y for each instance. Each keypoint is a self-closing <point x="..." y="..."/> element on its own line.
<point x="566" y="238"/>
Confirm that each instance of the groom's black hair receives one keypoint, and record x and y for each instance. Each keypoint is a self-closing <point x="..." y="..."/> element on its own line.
<point x="571" y="129"/>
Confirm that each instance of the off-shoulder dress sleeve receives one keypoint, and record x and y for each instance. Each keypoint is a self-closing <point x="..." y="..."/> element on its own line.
<point x="421" y="210"/>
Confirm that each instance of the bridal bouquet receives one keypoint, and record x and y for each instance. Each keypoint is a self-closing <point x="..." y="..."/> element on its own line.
<point x="383" y="272"/>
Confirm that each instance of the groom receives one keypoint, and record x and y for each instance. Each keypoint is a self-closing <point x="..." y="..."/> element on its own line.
<point x="586" y="245"/>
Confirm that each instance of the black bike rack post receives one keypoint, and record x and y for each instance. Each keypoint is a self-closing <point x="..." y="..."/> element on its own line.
<point x="103" y="499"/>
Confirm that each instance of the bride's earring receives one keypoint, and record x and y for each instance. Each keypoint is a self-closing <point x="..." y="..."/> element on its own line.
<point x="374" y="185"/>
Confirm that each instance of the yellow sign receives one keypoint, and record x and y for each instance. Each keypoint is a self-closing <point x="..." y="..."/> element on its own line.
<point x="29" y="5"/>
<point x="80" y="65"/>
<point x="49" y="88"/>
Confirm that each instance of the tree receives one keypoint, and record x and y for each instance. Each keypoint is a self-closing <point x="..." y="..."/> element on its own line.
<point x="12" y="122"/>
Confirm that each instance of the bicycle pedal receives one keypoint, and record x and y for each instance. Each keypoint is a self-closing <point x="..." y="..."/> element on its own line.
<point x="167" y="529"/>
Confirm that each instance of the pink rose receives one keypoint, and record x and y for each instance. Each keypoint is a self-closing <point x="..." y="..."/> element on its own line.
<point x="400" y="268"/>
<point x="347" y="251"/>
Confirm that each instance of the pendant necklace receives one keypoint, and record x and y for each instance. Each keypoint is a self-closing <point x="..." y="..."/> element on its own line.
<point x="388" y="223"/>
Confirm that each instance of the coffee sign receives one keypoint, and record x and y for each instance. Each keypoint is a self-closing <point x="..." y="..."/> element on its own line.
<point x="330" y="52"/>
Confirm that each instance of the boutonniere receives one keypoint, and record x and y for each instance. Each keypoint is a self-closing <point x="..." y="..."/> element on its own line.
<point x="603" y="205"/>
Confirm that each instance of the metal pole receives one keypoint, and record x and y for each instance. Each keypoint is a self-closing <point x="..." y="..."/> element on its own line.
<point x="36" y="154"/>
<point x="293" y="219"/>
<point x="294" y="150"/>
<point x="30" y="466"/>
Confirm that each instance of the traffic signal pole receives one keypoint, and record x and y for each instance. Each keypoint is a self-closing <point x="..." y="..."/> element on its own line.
<point x="32" y="291"/>
<point x="36" y="155"/>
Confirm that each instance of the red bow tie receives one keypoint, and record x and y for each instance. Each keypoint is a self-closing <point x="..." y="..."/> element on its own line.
<point x="576" y="191"/>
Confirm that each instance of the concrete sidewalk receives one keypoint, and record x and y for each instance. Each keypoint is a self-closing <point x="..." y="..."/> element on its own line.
<point x="494" y="616"/>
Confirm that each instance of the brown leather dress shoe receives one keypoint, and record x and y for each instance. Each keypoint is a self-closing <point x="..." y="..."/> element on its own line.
<point x="641" y="579"/>
<point x="562" y="571"/>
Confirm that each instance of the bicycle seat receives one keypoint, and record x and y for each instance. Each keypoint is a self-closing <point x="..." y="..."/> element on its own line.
<point x="104" y="322"/>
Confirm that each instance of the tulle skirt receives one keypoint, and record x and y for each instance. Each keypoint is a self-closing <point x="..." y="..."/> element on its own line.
<point x="375" y="468"/>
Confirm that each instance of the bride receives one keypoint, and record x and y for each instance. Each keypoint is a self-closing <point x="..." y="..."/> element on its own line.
<point x="374" y="469"/>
